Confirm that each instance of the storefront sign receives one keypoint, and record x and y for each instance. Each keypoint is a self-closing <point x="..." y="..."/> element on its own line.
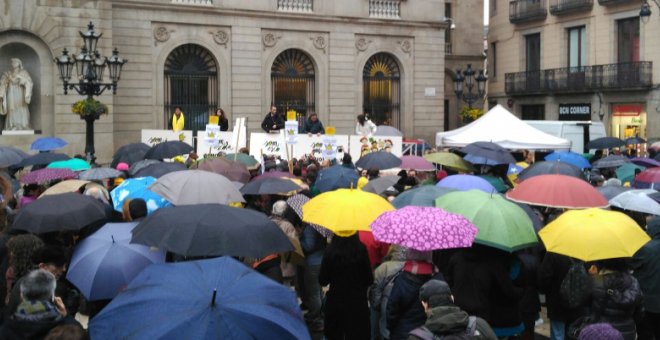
<point x="576" y="112"/>
<point x="627" y="110"/>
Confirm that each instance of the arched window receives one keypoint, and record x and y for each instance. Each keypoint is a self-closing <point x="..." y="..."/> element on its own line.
<point x="293" y="83"/>
<point x="382" y="90"/>
<point x="191" y="82"/>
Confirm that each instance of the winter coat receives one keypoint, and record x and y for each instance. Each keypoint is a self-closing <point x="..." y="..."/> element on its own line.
<point x="313" y="127"/>
<point x="34" y="325"/>
<point x="368" y="129"/>
<point x="288" y="268"/>
<point x="380" y="291"/>
<point x="404" y="310"/>
<point x="617" y="300"/>
<point x="313" y="244"/>
<point x="646" y="266"/>
<point x="448" y="320"/>
<point x="269" y="121"/>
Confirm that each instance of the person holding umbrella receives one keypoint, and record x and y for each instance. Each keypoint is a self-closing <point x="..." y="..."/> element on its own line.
<point x="646" y="268"/>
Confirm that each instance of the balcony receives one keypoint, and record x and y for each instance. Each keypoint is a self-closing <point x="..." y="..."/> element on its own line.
<point x="559" y="7"/>
<point x="385" y="9"/>
<point x="521" y="11"/>
<point x="610" y="77"/>
<point x="296" y="6"/>
<point x="614" y="2"/>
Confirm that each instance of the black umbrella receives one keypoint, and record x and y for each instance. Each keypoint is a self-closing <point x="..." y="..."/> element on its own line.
<point x="381" y="184"/>
<point x="551" y="168"/>
<point x="69" y="211"/>
<point x="166" y="150"/>
<point x="491" y="152"/>
<point x="605" y="143"/>
<point x="159" y="169"/>
<point x="129" y="154"/>
<point x="135" y="167"/>
<point x="611" y="161"/>
<point x="655" y="196"/>
<point x="212" y="230"/>
<point x="380" y="160"/>
<point x="269" y="185"/>
<point x="634" y="140"/>
<point x="536" y="220"/>
<point x="10" y="155"/>
<point x="42" y="158"/>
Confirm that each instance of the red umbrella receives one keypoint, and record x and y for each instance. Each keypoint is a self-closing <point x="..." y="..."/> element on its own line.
<point x="649" y="178"/>
<point x="416" y="163"/>
<point x="47" y="175"/>
<point x="557" y="191"/>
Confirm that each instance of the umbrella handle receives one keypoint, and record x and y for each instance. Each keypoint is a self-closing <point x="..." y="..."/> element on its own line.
<point x="215" y="292"/>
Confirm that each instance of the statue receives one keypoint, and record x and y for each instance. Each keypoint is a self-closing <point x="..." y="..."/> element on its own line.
<point x="15" y="95"/>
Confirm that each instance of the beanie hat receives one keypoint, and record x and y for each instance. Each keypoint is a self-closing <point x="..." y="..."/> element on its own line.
<point x="122" y="166"/>
<point x="435" y="293"/>
<point x="600" y="331"/>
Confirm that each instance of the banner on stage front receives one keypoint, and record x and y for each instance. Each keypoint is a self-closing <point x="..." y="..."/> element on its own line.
<point x="153" y="137"/>
<point x="306" y="145"/>
<point x="361" y="145"/>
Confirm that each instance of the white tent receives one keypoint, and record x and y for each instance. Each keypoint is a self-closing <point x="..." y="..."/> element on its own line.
<point x="503" y="128"/>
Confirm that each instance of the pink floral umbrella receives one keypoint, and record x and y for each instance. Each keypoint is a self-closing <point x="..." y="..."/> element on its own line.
<point x="47" y="175"/>
<point x="424" y="229"/>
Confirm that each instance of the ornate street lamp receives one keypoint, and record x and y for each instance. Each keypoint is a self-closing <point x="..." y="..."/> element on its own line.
<point x="468" y="79"/>
<point x="645" y="10"/>
<point x="90" y="66"/>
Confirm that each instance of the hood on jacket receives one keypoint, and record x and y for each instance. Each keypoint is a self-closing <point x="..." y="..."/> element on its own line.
<point x="653" y="228"/>
<point x="622" y="289"/>
<point x="444" y="320"/>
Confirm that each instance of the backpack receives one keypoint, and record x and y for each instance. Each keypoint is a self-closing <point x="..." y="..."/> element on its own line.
<point x="575" y="289"/>
<point x="469" y="333"/>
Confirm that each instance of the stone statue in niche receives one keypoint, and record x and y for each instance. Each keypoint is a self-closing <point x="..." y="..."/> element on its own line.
<point x="15" y="95"/>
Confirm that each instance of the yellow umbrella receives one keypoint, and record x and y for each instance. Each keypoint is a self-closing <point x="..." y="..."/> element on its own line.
<point x="70" y="185"/>
<point x="449" y="160"/>
<point x="514" y="177"/>
<point x="344" y="211"/>
<point x="593" y="234"/>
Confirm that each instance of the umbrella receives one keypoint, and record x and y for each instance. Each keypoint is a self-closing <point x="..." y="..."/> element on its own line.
<point x="502" y="224"/>
<point x="381" y="160"/>
<point x="196" y="187"/>
<point x="46" y="175"/>
<point x="129" y="154"/>
<point x="416" y="163"/>
<point x="104" y="263"/>
<point x="205" y="300"/>
<point x="649" y="178"/>
<point x="73" y="164"/>
<point x="336" y="177"/>
<point x="10" y="155"/>
<point x="169" y="149"/>
<point x="569" y="157"/>
<point x="137" y="188"/>
<point x="70" y="185"/>
<point x="487" y="153"/>
<point x="42" y="158"/>
<point x="514" y="169"/>
<point x="557" y="191"/>
<point x="48" y="143"/>
<point x="68" y="211"/>
<point x="611" y="191"/>
<point x="249" y="161"/>
<point x="550" y="168"/>
<point x="274" y="174"/>
<point x="626" y="172"/>
<point x="655" y="196"/>
<point x="637" y="200"/>
<point x="449" y="160"/>
<point x="139" y="165"/>
<point x="533" y="216"/>
<point x="296" y="202"/>
<point x="388" y="131"/>
<point x="634" y="140"/>
<point x="269" y="186"/>
<point x="645" y="162"/>
<point x="99" y="174"/>
<point x="593" y="234"/>
<point x="160" y="169"/>
<point x="345" y="210"/>
<point x="424" y="229"/>
<point x="423" y="196"/>
<point x="605" y="143"/>
<point x="611" y="161"/>
<point x="212" y="230"/>
<point x="496" y="182"/>
<point x="234" y="171"/>
<point x="381" y="184"/>
<point x="466" y="182"/>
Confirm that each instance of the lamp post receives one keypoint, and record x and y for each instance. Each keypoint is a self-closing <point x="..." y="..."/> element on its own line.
<point x="90" y="65"/>
<point x="467" y="77"/>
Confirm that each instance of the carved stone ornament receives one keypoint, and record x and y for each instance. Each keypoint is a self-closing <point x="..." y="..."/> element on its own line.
<point x="161" y="34"/>
<point x="319" y="42"/>
<point x="406" y="46"/>
<point x="220" y="37"/>
<point x="269" y="40"/>
<point x="361" y="44"/>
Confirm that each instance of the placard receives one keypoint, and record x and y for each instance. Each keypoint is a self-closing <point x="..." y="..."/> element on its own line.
<point x="153" y="137"/>
<point x="224" y="144"/>
<point x="360" y="145"/>
<point x="274" y="144"/>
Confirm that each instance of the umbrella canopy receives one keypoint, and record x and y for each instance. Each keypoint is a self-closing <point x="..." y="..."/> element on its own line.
<point x="46" y="175"/>
<point x="169" y="149"/>
<point x="42" y="158"/>
<point x="68" y="211"/>
<point x="645" y="161"/>
<point x="557" y="191"/>
<point x="634" y="140"/>
<point x="381" y="184"/>
<point x="70" y="185"/>
<point x="10" y="155"/>
<point x="73" y="164"/>
<point x="48" y="143"/>
<point x="158" y="170"/>
<point x="449" y="160"/>
<point x="212" y="230"/>
<point x="466" y="182"/>
<point x="133" y="188"/>
<point x="424" y="229"/>
<point x="99" y="174"/>
<point x="648" y="179"/>
<point x="271" y="185"/>
<point x="274" y="174"/>
<point x="137" y="166"/>
<point x="551" y="168"/>
<point x="502" y="224"/>
<point x="345" y="211"/>
<point x="104" y="263"/>
<point x="593" y="234"/>
<point x="626" y="172"/>
<point x="611" y="161"/>
<point x="416" y="163"/>
<point x="637" y="200"/>
<point x="234" y="171"/>
<point x="381" y="160"/>
<point x="247" y="160"/>
<point x="389" y="131"/>
<point x="423" y="196"/>
<point x="496" y="182"/>
<point x="336" y="177"/>
<point x="533" y="216"/>
<point x="655" y="196"/>
<point x="611" y="191"/>
<point x="206" y="300"/>
<point x="605" y="143"/>
<point x="569" y="157"/>
<point x="296" y="203"/>
<point x="487" y="153"/>
<point x="196" y="187"/>
<point x="129" y="154"/>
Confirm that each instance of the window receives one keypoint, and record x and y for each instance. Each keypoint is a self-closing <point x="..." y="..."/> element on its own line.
<point x="382" y="89"/>
<point x="492" y="72"/>
<point x="448" y="33"/>
<point x="293" y="83"/>
<point x="492" y="8"/>
<point x="628" y="40"/>
<point x="533" y="52"/>
<point x="577" y="47"/>
<point x="533" y="112"/>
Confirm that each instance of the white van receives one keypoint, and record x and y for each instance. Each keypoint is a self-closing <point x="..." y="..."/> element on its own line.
<point x="579" y="133"/>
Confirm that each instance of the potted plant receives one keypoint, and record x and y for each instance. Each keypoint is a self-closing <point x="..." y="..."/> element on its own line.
<point x="469" y="115"/>
<point x="89" y="108"/>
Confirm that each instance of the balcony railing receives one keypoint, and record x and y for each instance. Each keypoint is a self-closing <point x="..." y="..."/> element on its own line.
<point x="300" y="6"/>
<point x="194" y="2"/>
<point x="527" y="10"/>
<point x="385" y="9"/>
<point x="614" y="2"/>
<point x="610" y="77"/>
<point x="558" y="7"/>
<point x="447" y="48"/>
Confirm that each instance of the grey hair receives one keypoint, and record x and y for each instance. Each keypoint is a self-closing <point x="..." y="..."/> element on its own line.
<point x="279" y="208"/>
<point x="38" y="285"/>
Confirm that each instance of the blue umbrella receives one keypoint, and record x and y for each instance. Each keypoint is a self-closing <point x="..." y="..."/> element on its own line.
<point x="137" y="188"/>
<point x="466" y="182"/>
<point x="336" y="177"/>
<point x="105" y="262"/>
<point x="48" y="143"/>
<point x="569" y="157"/>
<point x="219" y="298"/>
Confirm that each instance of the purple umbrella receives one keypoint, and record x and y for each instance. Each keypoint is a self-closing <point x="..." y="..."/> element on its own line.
<point x="47" y="175"/>
<point x="466" y="182"/>
<point x="416" y="163"/>
<point x="424" y="229"/>
<point x="646" y="162"/>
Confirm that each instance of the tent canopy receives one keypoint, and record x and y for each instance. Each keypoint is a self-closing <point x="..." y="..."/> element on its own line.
<point x="503" y="128"/>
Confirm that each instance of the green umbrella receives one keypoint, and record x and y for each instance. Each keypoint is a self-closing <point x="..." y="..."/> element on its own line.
<point x="626" y="172"/>
<point x="247" y="160"/>
<point x="502" y="224"/>
<point x="449" y="160"/>
<point x="496" y="182"/>
<point x="73" y="164"/>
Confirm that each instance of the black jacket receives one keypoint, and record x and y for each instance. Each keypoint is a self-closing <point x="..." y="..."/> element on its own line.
<point x="450" y="320"/>
<point x="646" y="264"/>
<point x="617" y="300"/>
<point x="313" y="127"/>
<point x="15" y="329"/>
<point x="269" y="121"/>
<point x="552" y="272"/>
<point x="404" y="310"/>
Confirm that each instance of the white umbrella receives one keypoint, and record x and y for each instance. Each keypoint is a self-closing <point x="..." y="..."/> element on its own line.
<point x="196" y="187"/>
<point x="637" y="200"/>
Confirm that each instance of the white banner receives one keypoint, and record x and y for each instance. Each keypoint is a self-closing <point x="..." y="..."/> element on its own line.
<point x="274" y="144"/>
<point x="225" y="144"/>
<point x="291" y="131"/>
<point x="362" y="145"/>
<point x="153" y="137"/>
